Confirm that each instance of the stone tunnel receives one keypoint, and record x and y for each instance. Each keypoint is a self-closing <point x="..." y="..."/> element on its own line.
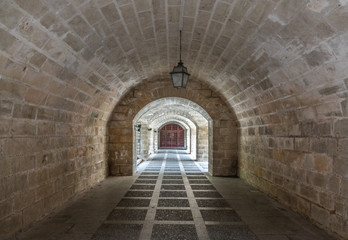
<point x="266" y="102"/>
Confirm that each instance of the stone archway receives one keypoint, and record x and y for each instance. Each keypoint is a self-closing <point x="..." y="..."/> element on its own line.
<point x="224" y="126"/>
<point x="172" y="136"/>
<point x="179" y="107"/>
<point x="174" y="107"/>
<point x="186" y="141"/>
<point x="188" y="124"/>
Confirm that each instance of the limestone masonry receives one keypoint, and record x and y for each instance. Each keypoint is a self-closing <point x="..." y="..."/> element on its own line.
<point x="267" y="99"/>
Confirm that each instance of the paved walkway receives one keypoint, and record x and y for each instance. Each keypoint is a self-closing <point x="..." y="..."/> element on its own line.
<point x="171" y="198"/>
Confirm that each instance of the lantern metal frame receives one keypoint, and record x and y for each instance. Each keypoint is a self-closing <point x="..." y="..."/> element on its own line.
<point x="180" y="75"/>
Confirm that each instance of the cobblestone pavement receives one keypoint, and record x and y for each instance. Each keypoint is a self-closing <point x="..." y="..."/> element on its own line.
<point x="173" y="198"/>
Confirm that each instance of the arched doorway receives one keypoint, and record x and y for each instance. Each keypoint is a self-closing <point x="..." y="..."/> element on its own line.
<point x="210" y="117"/>
<point x="172" y="136"/>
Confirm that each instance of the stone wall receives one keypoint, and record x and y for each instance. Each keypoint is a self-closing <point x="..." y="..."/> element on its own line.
<point x="303" y="166"/>
<point x="281" y="65"/>
<point x="47" y="157"/>
<point x="224" y="149"/>
<point x="202" y="145"/>
<point x="189" y="124"/>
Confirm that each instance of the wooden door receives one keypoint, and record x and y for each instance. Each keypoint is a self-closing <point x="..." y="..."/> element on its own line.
<point x="172" y="136"/>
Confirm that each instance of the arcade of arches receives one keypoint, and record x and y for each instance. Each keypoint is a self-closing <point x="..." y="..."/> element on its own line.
<point x="211" y="117"/>
<point x="85" y="92"/>
<point x="172" y="136"/>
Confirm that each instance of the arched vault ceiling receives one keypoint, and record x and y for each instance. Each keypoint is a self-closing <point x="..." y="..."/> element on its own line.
<point x="158" y="122"/>
<point x="83" y="55"/>
<point x="172" y="106"/>
<point x="172" y="110"/>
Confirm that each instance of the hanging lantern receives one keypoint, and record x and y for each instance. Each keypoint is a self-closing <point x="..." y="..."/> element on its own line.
<point x="179" y="74"/>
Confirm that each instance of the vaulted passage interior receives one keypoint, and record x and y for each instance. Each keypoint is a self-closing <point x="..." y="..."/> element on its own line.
<point x="172" y="136"/>
<point x="143" y="109"/>
<point x="267" y="99"/>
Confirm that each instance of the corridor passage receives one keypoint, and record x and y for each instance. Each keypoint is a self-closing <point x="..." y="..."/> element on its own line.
<point x="172" y="197"/>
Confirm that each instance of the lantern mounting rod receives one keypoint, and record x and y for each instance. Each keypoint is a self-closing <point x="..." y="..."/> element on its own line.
<point x="180" y="45"/>
<point x="179" y="74"/>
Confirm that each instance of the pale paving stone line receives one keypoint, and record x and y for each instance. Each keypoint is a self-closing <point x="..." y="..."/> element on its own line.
<point x="146" y="231"/>
<point x="200" y="167"/>
<point x="197" y="217"/>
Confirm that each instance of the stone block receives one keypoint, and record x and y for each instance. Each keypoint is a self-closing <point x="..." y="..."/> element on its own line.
<point x="327" y="201"/>
<point x="23" y="200"/>
<point x="110" y="12"/>
<point x="326" y="110"/>
<point x="11" y="89"/>
<point x="221" y="12"/>
<point x="285" y="143"/>
<point x="75" y="43"/>
<point x="79" y="25"/>
<point x="91" y="14"/>
<point x="6" y="40"/>
<point x="9" y="15"/>
<point x="344" y="188"/>
<point x="342" y="150"/>
<point x="6" y="108"/>
<point x="10" y="225"/>
<point x="33" y="213"/>
<point x="303" y="206"/>
<point x="336" y="18"/>
<point x="324" y="145"/>
<point x="325" y="129"/>
<point x="5" y="127"/>
<point x="344" y="106"/>
<point x="119" y="117"/>
<point x="251" y="131"/>
<point x="23" y="128"/>
<point x="125" y="170"/>
<point x="309" y="193"/>
<point x="317" y="57"/>
<point x="333" y="184"/>
<point x="24" y="111"/>
<point x="284" y="196"/>
<point x="53" y="201"/>
<point x="320" y="215"/>
<point x="46" y="128"/>
<point x="44" y="159"/>
<point x="37" y="177"/>
<point x="48" y="20"/>
<point x="302" y="144"/>
<point x="323" y="163"/>
<point x="35" y="97"/>
<point x="317" y="179"/>
<point x="21" y="182"/>
<point x="33" y="7"/>
<point x="6" y="208"/>
<point x="6" y="166"/>
<point x="17" y="146"/>
<point x="341" y="128"/>
<point x="309" y="128"/>
<point x="46" y="114"/>
<point x="61" y="103"/>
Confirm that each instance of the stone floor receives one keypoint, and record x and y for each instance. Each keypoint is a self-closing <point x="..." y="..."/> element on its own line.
<point x="172" y="198"/>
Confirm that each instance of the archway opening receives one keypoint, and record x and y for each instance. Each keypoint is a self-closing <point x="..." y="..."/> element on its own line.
<point x="175" y="124"/>
<point x="142" y="112"/>
<point x="172" y="136"/>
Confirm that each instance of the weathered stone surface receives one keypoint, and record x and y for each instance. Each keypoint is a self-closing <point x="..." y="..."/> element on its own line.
<point x="320" y="215"/>
<point x="79" y="25"/>
<point x="9" y="15"/>
<point x="11" y="224"/>
<point x="281" y="66"/>
<point x="224" y="149"/>
<point x="341" y="128"/>
<point x="73" y="42"/>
